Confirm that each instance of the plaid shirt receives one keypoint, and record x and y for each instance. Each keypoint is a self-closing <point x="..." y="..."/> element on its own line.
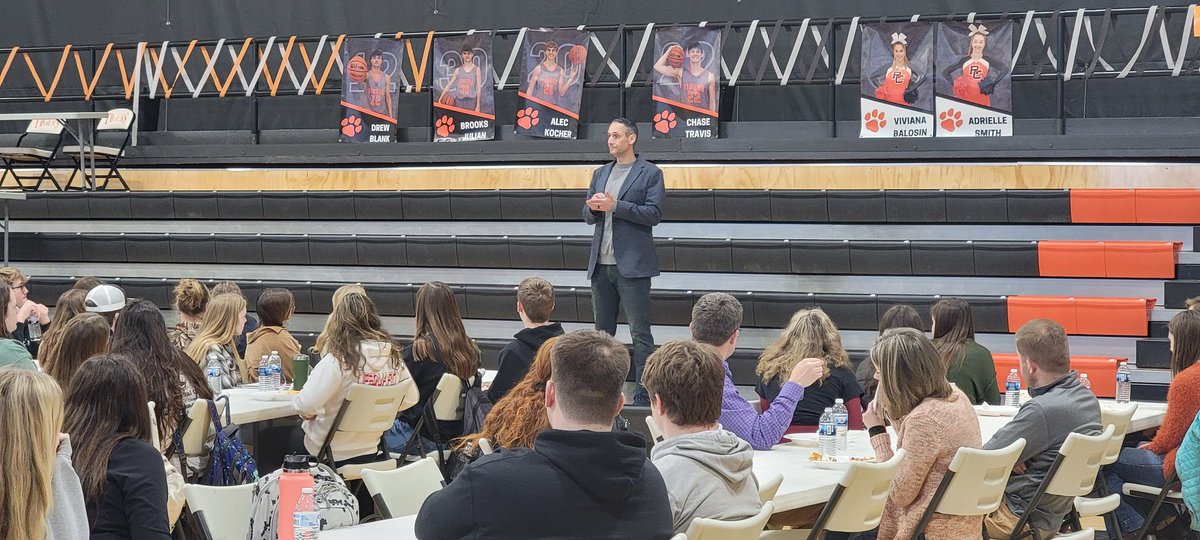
<point x="764" y="430"/>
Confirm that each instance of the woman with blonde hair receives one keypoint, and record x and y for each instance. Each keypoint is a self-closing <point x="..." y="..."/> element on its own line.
<point x="811" y="334"/>
<point x="516" y="420"/>
<point x="40" y="494"/>
<point x="933" y="419"/>
<point x="338" y="295"/>
<point x="83" y="337"/>
<point x="191" y="301"/>
<point x="69" y="305"/>
<point x="968" y="364"/>
<point x="223" y="323"/>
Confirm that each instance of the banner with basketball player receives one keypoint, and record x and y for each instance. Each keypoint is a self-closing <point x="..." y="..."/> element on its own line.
<point x="370" y="91"/>
<point x="551" y="83"/>
<point x="687" y="83"/>
<point x="464" y="105"/>
<point x="896" y="88"/>
<point x="974" y="87"/>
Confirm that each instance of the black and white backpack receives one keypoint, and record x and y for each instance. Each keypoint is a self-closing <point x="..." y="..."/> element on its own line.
<point x="334" y="501"/>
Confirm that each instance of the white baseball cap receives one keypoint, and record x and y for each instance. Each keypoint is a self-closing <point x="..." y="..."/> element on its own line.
<point x="104" y="299"/>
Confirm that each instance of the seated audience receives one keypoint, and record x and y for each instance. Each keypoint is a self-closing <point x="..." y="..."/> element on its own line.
<point x="229" y="287"/>
<point x="223" y="323"/>
<point x="1151" y="463"/>
<point x="1058" y="406"/>
<point x="708" y="471"/>
<point x="535" y="303"/>
<point x="83" y="337"/>
<point x="40" y="495"/>
<point x="716" y="322"/>
<point x="26" y="309"/>
<point x="191" y="301"/>
<point x="897" y="316"/>
<point x="107" y="300"/>
<point x="933" y="419"/>
<point x="581" y="479"/>
<point x="969" y="365"/>
<point x="86" y="283"/>
<point x="275" y="307"/>
<point x="69" y="305"/>
<point x="516" y="420"/>
<point x="320" y="348"/>
<point x="811" y="334"/>
<point x="124" y="483"/>
<point x="12" y="353"/>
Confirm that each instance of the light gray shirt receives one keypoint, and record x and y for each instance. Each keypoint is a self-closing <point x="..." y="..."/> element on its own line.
<point x="616" y="179"/>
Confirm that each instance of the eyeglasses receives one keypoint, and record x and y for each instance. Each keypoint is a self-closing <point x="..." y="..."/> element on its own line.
<point x="23" y="286"/>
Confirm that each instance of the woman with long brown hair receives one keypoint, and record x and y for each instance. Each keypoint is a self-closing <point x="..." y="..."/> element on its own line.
<point x="897" y="316"/>
<point x="520" y="415"/>
<point x="223" y="323"/>
<point x="81" y="338"/>
<point x="968" y="364"/>
<point x="69" y="306"/>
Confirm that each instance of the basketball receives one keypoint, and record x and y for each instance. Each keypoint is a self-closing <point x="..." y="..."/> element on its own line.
<point x="447" y="99"/>
<point x="357" y="69"/>
<point x="675" y="56"/>
<point x="578" y="55"/>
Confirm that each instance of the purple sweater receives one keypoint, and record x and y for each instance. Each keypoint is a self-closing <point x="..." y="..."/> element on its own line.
<point x="764" y="430"/>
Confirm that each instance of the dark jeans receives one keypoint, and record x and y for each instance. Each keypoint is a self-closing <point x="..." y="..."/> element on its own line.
<point x="1138" y="466"/>
<point x="609" y="290"/>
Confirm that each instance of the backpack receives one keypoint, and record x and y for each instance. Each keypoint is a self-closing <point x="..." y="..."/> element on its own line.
<point x="230" y="464"/>
<point x="476" y="406"/>
<point x="334" y="502"/>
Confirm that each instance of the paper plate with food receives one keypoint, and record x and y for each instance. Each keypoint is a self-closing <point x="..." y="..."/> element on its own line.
<point x="825" y="461"/>
<point x="802" y="439"/>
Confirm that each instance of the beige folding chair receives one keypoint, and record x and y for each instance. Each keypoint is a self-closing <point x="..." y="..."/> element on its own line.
<point x="445" y="405"/>
<point x="401" y="492"/>
<point x="1106" y="504"/>
<point x="223" y="512"/>
<point x="1156" y="496"/>
<point x="118" y="120"/>
<point x="768" y="489"/>
<point x="655" y="433"/>
<point x="197" y="428"/>
<point x="742" y="529"/>
<point x="37" y="148"/>
<point x="368" y="410"/>
<point x="974" y="485"/>
<point x="1073" y="474"/>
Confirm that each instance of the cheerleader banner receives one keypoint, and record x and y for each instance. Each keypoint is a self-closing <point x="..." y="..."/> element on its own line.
<point x="370" y="91"/>
<point x="974" y="88"/>
<point x="464" y="105"/>
<point x="896" y="89"/>
<point x="687" y="83"/>
<point x="551" y="83"/>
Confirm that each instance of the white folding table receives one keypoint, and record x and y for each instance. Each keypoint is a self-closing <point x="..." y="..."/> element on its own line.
<point x="84" y="133"/>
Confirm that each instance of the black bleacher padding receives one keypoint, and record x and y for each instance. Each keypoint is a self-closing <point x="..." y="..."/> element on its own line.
<point x="664" y="248"/>
<point x="576" y="251"/>
<point x="1159" y="329"/>
<point x="286" y="249"/>
<point x="1006" y="258"/>
<point x="103" y="248"/>
<point x="1039" y="205"/>
<point x="584" y="311"/>
<point x="393" y="300"/>
<point x="285" y="205"/>
<point x="489" y="352"/>
<point x="33" y="207"/>
<point x="564" y="305"/>
<point x="743" y="365"/>
<point x="850" y="206"/>
<point x="155" y="290"/>
<point x="800" y="206"/>
<point x="431" y="251"/>
<point x="302" y="292"/>
<point x="239" y="249"/>
<point x="1176" y="293"/>
<point x="65" y="247"/>
<point x="526" y="205"/>
<point x="475" y="205"/>
<point x="976" y="206"/>
<point x="534" y="252"/>
<point x="253" y="289"/>
<point x="426" y="205"/>
<point x="703" y="255"/>
<point x="990" y="313"/>
<point x="1153" y="353"/>
<point x="379" y="205"/>
<point x="933" y="258"/>
<point x="195" y="204"/>
<point x="26" y="247"/>
<point x="774" y="310"/>
<point x="322" y="296"/>
<point x="762" y="256"/>
<point x="382" y="251"/>
<point x="567" y="204"/>
<point x="46" y="290"/>
<point x="148" y="248"/>
<point x="109" y="205"/>
<point x="820" y="256"/>
<point x="1187" y="271"/>
<point x="333" y="250"/>
<point x="670" y="307"/>
<point x="491" y="302"/>
<point x="70" y="205"/>
<point x="193" y="248"/>
<point x="151" y="204"/>
<point x="460" y="298"/>
<point x="741" y="204"/>
<point x="330" y="205"/>
<point x="922" y="304"/>
<point x="482" y="251"/>
<point x="849" y="311"/>
<point x="880" y="257"/>
<point x="240" y="205"/>
<point x="1149" y="391"/>
<point x="915" y="205"/>
<point x="688" y="205"/>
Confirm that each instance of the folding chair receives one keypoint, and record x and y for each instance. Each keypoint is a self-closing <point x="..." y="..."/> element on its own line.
<point x="445" y="405"/>
<point x="974" y="485"/>
<point x="223" y="512"/>
<point x="1073" y="474"/>
<point x="31" y="150"/>
<point x="655" y="433"/>
<point x="742" y="529"/>
<point x="1105" y="503"/>
<point x="401" y="492"/>
<point x="368" y="411"/>
<point x="118" y="120"/>
<point x="1169" y="493"/>
<point x="768" y="489"/>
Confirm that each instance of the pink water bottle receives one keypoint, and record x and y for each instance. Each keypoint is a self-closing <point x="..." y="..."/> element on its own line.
<point x="292" y="481"/>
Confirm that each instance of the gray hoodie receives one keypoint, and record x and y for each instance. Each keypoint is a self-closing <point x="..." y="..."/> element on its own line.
<point x="68" y="518"/>
<point x="708" y="475"/>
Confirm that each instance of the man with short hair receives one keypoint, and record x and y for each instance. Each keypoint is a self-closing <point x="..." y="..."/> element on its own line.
<point x="624" y="202"/>
<point x="581" y="479"/>
<point x="708" y="471"/>
<point x="535" y="303"/>
<point x="716" y="321"/>
<point x="19" y="289"/>
<point x="1058" y="406"/>
<point x="107" y="300"/>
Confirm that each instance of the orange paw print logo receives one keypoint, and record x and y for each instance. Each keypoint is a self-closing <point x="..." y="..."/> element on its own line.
<point x="951" y="119"/>
<point x="527" y="118"/>
<point x="664" y="121"/>
<point x="876" y="120"/>
<point x="351" y="126"/>
<point x="445" y="126"/>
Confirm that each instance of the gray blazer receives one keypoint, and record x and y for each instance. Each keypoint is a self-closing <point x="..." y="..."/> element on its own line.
<point x="637" y="211"/>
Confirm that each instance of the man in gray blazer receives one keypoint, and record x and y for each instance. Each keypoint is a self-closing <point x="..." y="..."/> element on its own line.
<point x="624" y="202"/>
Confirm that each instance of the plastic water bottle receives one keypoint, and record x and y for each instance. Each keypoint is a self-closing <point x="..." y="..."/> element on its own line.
<point x="34" y="328"/>
<point x="1085" y="381"/>
<point x="264" y="374"/>
<point x="1124" y="385"/>
<point x="306" y="522"/>
<point x="276" y="365"/>
<point x="841" y="418"/>
<point x="212" y="372"/>
<point x="827" y="433"/>
<point x="1012" y="389"/>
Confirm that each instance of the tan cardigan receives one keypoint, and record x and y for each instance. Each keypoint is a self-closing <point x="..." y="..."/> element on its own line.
<point x="262" y="341"/>
<point x="930" y="435"/>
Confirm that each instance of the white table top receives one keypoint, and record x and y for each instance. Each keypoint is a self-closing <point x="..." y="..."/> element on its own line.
<point x="248" y="406"/>
<point x="62" y="115"/>
<point x="400" y="528"/>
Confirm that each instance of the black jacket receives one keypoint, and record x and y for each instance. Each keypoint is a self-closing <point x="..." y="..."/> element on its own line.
<point x="21" y="335"/>
<point x="574" y="484"/>
<point x="134" y="504"/>
<point x="517" y="357"/>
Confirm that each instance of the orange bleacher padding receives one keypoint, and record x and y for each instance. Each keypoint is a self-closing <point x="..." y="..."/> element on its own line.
<point x="1167" y="205"/>
<point x="1101" y="371"/>
<point x="1022" y="309"/>
<point x="1103" y="206"/>
<point x="1070" y="258"/>
<point x="1113" y="316"/>
<point x="1141" y="259"/>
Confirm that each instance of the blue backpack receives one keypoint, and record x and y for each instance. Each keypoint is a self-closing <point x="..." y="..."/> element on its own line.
<point x="230" y="464"/>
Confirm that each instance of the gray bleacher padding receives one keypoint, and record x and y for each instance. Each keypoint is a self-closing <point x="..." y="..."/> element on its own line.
<point x="1006" y="258"/>
<point x="475" y="205"/>
<point x="321" y="295"/>
<point x="568" y="204"/>
<point x="976" y="206"/>
<point x="61" y="247"/>
<point x="931" y="258"/>
<point x="193" y="248"/>
<point x="671" y="307"/>
<point x="33" y="207"/>
<point x="239" y="249"/>
<point x="240" y="205"/>
<point x="849" y="311"/>
<point x="990" y="313"/>
<point x="703" y="255"/>
<point x="576" y="251"/>
<point x="820" y="256"/>
<point x="109" y="205"/>
<point x="742" y="205"/>
<point x="382" y="251"/>
<point x="799" y="206"/>
<point x="68" y="205"/>
<point x="1039" y="206"/>
<point x="195" y="205"/>
<point x="584" y="311"/>
<point x="286" y="205"/>
<point x="535" y="252"/>
<point x="773" y="310"/>
<point x="430" y="251"/>
<point x="482" y="251"/>
<point x="915" y="206"/>
<point x="1178" y="292"/>
<point x="426" y="205"/>
<point x="1154" y="353"/>
<point x="393" y="299"/>
<point x="881" y="258"/>
<point x="566" y="305"/>
<point x="664" y="248"/>
<point x="490" y="302"/>
<point x="148" y="248"/>
<point x="333" y="250"/>
<point x="304" y="299"/>
<point x="158" y="291"/>
<point x="853" y="206"/>
<point x="103" y="248"/>
<point x="922" y="304"/>
<point x="151" y="204"/>
<point x="687" y="205"/>
<point x="330" y="205"/>
<point x="527" y="205"/>
<point x="378" y="205"/>
<point x="762" y="256"/>
<point x="48" y="289"/>
<point x="253" y="289"/>
<point x="286" y="249"/>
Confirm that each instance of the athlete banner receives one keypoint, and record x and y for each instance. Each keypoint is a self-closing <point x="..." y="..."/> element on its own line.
<point x="370" y="91"/>
<point x="464" y="105"/>
<point x="896" y="88"/>
<point x="687" y="82"/>
<point x="551" y="83"/>
<point x="974" y="88"/>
